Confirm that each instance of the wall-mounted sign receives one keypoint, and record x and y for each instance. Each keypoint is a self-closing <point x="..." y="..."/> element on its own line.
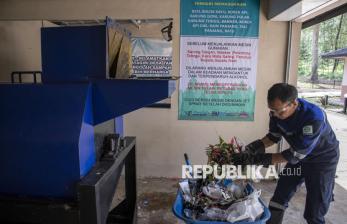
<point x="218" y="59"/>
<point x="151" y="57"/>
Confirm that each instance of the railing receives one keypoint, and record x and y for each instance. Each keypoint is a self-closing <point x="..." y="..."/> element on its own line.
<point x="334" y="83"/>
<point x="19" y="74"/>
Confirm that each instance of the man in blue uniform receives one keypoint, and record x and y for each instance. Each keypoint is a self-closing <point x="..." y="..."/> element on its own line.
<point x="313" y="148"/>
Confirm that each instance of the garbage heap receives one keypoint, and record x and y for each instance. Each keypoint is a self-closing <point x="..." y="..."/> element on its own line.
<point x="224" y="200"/>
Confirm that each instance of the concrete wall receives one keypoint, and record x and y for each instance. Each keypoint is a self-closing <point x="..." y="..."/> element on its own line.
<point x="87" y="9"/>
<point x="294" y="49"/>
<point x="19" y="44"/>
<point x="161" y="138"/>
<point x="20" y="47"/>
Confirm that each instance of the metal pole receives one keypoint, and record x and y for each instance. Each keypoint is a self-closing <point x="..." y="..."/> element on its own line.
<point x="286" y="78"/>
<point x="289" y="48"/>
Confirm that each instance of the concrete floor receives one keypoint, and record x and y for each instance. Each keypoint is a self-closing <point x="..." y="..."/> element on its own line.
<point x="156" y="197"/>
<point x="338" y="122"/>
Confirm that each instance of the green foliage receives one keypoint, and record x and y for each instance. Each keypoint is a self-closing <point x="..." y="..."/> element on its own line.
<point x="220" y="154"/>
<point x="326" y="42"/>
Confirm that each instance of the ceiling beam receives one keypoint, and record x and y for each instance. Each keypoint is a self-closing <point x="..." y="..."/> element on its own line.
<point x="276" y="7"/>
<point x="325" y="16"/>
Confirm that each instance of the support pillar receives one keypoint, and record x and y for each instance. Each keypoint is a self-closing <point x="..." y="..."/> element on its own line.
<point x="344" y="82"/>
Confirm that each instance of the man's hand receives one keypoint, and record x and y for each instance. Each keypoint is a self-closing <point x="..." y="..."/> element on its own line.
<point x="255" y="147"/>
<point x="249" y="159"/>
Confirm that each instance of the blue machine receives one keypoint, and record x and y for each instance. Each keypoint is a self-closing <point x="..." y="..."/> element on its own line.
<point x="47" y="129"/>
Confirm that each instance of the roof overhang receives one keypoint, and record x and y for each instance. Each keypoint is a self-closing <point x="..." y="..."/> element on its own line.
<point x="302" y="10"/>
<point x="338" y="54"/>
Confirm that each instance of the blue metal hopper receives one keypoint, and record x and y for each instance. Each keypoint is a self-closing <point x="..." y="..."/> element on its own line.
<point x="47" y="130"/>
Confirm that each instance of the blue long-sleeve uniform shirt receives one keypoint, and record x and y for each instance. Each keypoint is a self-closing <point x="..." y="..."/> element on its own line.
<point x="308" y="133"/>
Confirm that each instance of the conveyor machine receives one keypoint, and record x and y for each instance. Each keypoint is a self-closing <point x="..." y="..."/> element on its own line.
<point x="51" y="170"/>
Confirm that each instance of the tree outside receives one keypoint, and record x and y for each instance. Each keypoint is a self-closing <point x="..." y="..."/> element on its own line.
<point x="315" y="74"/>
<point x="327" y="36"/>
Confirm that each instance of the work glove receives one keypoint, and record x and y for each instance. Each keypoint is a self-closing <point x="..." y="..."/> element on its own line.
<point x="255" y="147"/>
<point x="249" y="159"/>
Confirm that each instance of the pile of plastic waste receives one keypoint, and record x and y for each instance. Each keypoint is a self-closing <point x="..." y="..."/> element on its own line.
<point x="220" y="200"/>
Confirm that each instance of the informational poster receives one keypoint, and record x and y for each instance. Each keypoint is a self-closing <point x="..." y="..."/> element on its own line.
<point x="151" y="57"/>
<point x="218" y="59"/>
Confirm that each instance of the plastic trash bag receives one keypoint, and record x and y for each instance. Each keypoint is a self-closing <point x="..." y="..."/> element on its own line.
<point x="188" y="213"/>
<point x="249" y="209"/>
<point x="214" y="214"/>
<point x="236" y="191"/>
<point x="213" y="191"/>
<point x="184" y="185"/>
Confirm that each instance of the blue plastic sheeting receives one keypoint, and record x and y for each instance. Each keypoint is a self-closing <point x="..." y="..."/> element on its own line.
<point x="46" y="142"/>
<point x="71" y="54"/>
